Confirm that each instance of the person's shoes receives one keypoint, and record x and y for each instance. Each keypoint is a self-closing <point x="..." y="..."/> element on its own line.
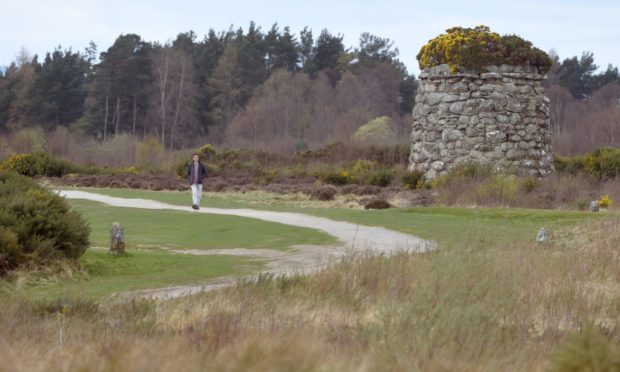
<point x="194" y="206"/>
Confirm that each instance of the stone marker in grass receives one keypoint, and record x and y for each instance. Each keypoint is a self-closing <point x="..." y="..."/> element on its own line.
<point x="117" y="239"/>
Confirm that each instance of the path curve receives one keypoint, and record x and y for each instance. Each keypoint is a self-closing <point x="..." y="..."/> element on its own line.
<point x="355" y="238"/>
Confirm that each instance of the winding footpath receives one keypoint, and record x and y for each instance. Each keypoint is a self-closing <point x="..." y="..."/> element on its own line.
<point x="304" y="259"/>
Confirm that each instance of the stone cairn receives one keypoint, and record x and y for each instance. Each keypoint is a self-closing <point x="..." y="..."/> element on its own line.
<point x="117" y="239"/>
<point x="498" y="117"/>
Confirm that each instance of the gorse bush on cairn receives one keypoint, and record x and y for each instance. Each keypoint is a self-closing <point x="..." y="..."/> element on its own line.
<point x="478" y="47"/>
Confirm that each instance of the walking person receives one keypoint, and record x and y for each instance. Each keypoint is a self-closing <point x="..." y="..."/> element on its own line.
<point x="195" y="173"/>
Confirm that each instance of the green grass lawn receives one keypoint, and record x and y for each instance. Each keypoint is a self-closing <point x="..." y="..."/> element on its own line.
<point x="148" y="235"/>
<point x="139" y="269"/>
<point x="150" y="232"/>
<point x="185" y="230"/>
<point x="449" y="226"/>
<point x="214" y="200"/>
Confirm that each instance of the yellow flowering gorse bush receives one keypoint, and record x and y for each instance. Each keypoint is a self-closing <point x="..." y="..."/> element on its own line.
<point x="605" y="201"/>
<point x="475" y="48"/>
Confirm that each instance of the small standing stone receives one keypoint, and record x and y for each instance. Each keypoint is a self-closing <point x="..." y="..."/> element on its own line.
<point x="594" y="206"/>
<point x="542" y="236"/>
<point x="117" y="239"/>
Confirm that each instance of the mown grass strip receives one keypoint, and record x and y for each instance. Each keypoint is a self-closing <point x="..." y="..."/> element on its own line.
<point x="184" y="230"/>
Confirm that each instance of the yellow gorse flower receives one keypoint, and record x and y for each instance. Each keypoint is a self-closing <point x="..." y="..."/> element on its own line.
<point x="474" y="48"/>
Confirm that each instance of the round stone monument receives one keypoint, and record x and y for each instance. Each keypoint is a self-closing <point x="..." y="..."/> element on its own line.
<point x="481" y="112"/>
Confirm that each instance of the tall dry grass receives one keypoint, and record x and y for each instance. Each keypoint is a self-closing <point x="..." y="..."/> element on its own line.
<point x="469" y="307"/>
<point x="479" y="185"/>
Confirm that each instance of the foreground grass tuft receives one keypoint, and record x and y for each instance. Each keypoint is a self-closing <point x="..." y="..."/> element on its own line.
<point x="464" y="307"/>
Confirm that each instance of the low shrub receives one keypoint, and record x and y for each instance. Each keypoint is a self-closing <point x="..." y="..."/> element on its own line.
<point x="39" y="164"/>
<point x="28" y="140"/>
<point x="381" y="177"/>
<point x="463" y="172"/>
<point x="386" y="155"/>
<point x="529" y="184"/>
<point x="9" y="250"/>
<point x="365" y="172"/>
<point x="267" y="177"/>
<point x="570" y="165"/>
<point x="37" y="226"/>
<point x="478" y="47"/>
<point x="588" y="350"/>
<point x="605" y="201"/>
<point x="180" y="167"/>
<point x="602" y="163"/>
<point x="150" y="153"/>
<point x="478" y="184"/>
<point x="378" y="203"/>
<point x="497" y="190"/>
<point x="116" y="151"/>
<point x="362" y="168"/>
<point x="333" y="176"/>
<point x="301" y="145"/>
<point x="206" y="150"/>
<point x="377" y="131"/>
<point x="413" y="179"/>
<point x="325" y="192"/>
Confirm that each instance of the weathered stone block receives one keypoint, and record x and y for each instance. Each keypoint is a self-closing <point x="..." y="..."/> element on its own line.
<point x="514" y="107"/>
<point x="433" y="98"/>
<point x="486" y="105"/>
<point x="457" y="107"/>
<point x="464" y="119"/>
<point x="514" y="154"/>
<point x="496" y="137"/>
<point x="501" y="118"/>
<point x="117" y="239"/>
<point x="449" y="135"/>
<point x="531" y="129"/>
<point x="450" y="98"/>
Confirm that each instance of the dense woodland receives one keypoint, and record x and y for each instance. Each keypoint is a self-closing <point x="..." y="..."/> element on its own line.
<point x="263" y="88"/>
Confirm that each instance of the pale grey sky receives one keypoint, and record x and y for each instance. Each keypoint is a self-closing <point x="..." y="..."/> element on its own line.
<point x="568" y="26"/>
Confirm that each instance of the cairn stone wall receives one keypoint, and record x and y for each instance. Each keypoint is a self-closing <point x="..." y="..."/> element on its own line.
<point x="498" y="117"/>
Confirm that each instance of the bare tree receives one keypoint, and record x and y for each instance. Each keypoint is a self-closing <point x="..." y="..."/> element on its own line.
<point x="161" y="78"/>
<point x="22" y="74"/>
<point x="560" y="99"/>
<point x="174" y="95"/>
<point x="291" y="107"/>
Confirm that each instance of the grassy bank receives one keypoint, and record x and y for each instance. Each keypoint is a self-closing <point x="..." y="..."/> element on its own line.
<point x="489" y="299"/>
<point x="102" y="275"/>
<point x="472" y="307"/>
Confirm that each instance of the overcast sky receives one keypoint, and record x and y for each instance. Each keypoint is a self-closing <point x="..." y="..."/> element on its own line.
<point x="570" y="27"/>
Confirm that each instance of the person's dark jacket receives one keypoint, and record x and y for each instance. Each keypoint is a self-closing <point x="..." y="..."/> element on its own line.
<point x="201" y="175"/>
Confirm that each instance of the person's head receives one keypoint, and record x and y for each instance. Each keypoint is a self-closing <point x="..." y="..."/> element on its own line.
<point x="195" y="158"/>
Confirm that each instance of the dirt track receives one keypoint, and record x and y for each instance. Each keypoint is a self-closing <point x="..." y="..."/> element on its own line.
<point x="355" y="238"/>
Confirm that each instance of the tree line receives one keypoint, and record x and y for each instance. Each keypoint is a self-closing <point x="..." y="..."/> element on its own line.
<point x="188" y="88"/>
<point x="258" y="87"/>
<point x="585" y="105"/>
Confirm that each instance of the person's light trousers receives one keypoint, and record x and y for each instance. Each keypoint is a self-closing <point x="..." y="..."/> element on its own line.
<point x="196" y="193"/>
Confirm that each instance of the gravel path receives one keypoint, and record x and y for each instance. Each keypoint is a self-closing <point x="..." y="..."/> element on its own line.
<point x="303" y="259"/>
